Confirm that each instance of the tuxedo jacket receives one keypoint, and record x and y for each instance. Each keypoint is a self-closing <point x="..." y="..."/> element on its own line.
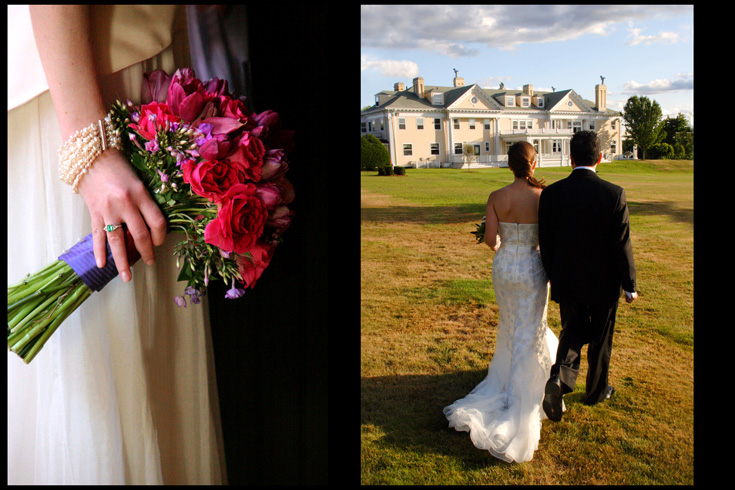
<point x="584" y="239"/>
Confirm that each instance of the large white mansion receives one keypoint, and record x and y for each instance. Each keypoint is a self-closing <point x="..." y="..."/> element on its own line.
<point x="430" y="126"/>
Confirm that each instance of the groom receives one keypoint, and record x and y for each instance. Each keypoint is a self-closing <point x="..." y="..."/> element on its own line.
<point x="584" y="237"/>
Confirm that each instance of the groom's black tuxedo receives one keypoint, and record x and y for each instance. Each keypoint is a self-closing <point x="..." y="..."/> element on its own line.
<point x="584" y="239"/>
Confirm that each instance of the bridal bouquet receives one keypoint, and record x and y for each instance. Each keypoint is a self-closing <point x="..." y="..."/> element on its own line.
<point x="479" y="231"/>
<point x="218" y="174"/>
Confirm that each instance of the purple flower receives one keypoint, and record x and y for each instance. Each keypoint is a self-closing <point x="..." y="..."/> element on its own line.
<point x="164" y="177"/>
<point x="151" y="146"/>
<point x="180" y="301"/>
<point x="234" y="293"/>
<point x="194" y="294"/>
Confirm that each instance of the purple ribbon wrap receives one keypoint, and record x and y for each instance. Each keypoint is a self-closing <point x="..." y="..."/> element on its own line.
<point x="81" y="259"/>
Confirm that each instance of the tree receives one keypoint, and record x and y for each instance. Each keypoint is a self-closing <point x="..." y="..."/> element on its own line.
<point x="469" y="155"/>
<point x="643" y="119"/>
<point x="680" y="136"/>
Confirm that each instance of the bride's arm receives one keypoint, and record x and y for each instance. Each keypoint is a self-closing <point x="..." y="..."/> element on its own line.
<point x="111" y="189"/>
<point x="491" y="225"/>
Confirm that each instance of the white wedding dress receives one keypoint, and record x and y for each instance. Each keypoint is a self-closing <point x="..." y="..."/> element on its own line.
<point x="124" y="391"/>
<point x="503" y="413"/>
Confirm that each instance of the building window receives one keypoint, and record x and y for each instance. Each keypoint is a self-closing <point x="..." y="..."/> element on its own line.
<point x="614" y="147"/>
<point x="437" y="99"/>
<point x="487" y="147"/>
<point x="555" y="146"/>
<point x="435" y="148"/>
<point x="525" y="101"/>
<point x="363" y="127"/>
<point x="612" y="124"/>
<point x="419" y="123"/>
<point x="592" y="125"/>
<point x="523" y="124"/>
<point x="437" y="123"/>
<point x="486" y="123"/>
<point x="510" y="101"/>
<point x="401" y="123"/>
<point x="456" y="124"/>
<point x="458" y="148"/>
<point x="472" y="124"/>
<point x="540" y="101"/>
<point x="574" y="126"/>
<point x="407" y="149"/>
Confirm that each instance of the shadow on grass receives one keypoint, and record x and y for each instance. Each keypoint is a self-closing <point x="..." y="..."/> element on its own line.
<point x="425" y="214"/>
<point x="661" y="208"/>
<point x="408" y="410"/>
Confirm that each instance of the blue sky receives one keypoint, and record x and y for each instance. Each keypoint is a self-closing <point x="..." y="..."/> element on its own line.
<point x="644" y="50"/>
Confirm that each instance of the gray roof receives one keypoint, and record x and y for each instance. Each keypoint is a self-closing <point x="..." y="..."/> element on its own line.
<point x="407" y="99"/>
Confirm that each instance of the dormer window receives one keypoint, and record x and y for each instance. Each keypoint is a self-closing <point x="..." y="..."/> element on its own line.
<point x="437" y="99"/>
<point x="539" y="101"/>
<point x="525" y="101"/>
<point x="510" y="101"/>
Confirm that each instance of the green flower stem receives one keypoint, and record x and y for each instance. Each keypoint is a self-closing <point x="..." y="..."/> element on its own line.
<point x="39" y="309"/>
<point x="30" y="285"/>
<point x="77" y="298"/>
<point x="13" y="299"/>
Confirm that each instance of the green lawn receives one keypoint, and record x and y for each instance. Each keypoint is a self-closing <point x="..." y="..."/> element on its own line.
<point x="428" y="319"/>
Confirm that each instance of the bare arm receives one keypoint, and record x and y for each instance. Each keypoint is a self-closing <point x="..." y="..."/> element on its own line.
<point x="111" y="190"/>
<point x="491" y="225"/>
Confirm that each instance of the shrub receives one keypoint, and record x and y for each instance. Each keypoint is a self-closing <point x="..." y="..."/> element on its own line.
<point x="373" y="154"/>
<point x="399" y="170"/>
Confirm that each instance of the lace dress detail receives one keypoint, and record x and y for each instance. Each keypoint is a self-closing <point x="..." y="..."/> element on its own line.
<point x="503" y="413"/>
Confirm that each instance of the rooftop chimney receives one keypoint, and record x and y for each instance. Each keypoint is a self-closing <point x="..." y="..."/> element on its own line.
<point x="528" y="89"/>
<point x="399" y="87"/>
<point x="601" y="97"/>
<point x="418" y="86"/>
<point x="458" y="82"/>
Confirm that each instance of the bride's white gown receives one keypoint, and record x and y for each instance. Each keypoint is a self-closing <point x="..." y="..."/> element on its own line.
<point x="503" y="413"/>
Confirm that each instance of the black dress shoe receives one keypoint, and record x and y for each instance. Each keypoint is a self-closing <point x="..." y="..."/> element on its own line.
<point x="609" y="392"/>
<point x="552" y="399"/>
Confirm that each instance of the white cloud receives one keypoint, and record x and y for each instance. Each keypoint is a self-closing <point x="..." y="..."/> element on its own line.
<point x="684" y="81"/>
<point x="662" y="37"/>
<point x="458" y="30"/>
<point x="391" y="68"/>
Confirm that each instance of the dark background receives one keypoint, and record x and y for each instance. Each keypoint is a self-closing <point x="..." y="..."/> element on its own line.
<point x="270" y="346"/>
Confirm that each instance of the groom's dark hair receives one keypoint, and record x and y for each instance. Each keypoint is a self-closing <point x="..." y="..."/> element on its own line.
<point x="585" y="148"/>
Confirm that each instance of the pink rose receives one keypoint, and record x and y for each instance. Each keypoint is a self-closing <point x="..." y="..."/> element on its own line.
<point x="251" y="270"/>
<point x="152" y="117"/>
<point x="210" y="179"/>
<point x="239" y="222"/>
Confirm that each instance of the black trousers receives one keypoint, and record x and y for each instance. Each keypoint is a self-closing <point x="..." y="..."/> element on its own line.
<point x="580" y="325"/>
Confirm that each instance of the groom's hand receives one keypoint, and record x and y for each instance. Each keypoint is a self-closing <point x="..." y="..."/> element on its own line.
<point x="630" y="297"/>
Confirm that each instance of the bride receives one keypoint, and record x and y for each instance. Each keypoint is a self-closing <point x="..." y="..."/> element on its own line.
<point x="503" y="413"/>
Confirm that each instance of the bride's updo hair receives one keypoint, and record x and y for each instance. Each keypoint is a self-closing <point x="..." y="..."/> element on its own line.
<point x="520" y="160"/>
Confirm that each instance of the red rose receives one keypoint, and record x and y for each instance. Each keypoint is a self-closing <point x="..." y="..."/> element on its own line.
<point x="210" y="179"/>
<point x="152" y="117"/>
<point x="251" y="270"/>
<point x="239" y="222"/>
<point x="248" y="155"/>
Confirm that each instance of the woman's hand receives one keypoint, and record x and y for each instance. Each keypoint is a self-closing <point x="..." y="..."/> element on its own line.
<point x="114" y="195"/>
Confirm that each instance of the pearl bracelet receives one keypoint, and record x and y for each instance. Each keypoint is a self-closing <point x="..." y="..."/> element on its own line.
<point x="80" y="151"/>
